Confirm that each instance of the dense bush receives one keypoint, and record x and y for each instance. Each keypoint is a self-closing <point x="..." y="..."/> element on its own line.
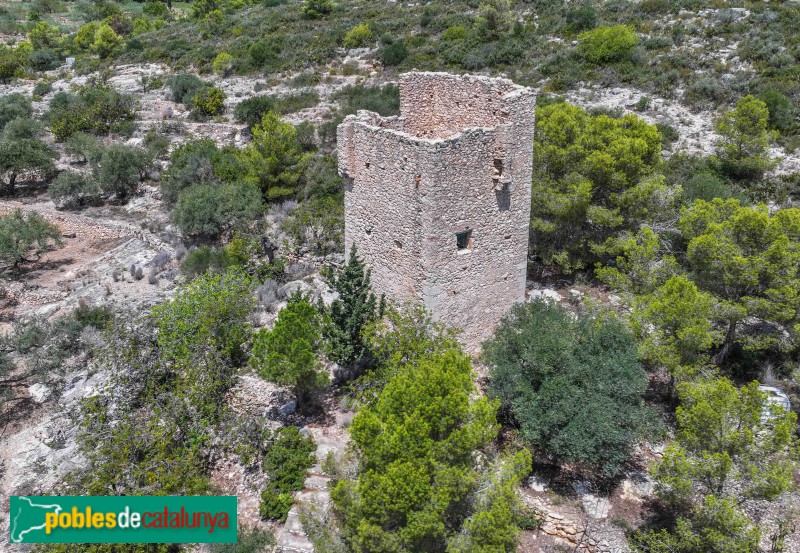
<point x="223" y="64"/>
<point x="13" y="106"/>
<point x="358" y="36"/>
<point x="156" y="9"/>
<point x="607" y="44"/>
<point x="314" y="9"/>
<point x="252" y="110"/>
<point x="394" y="53"/>
<point x="781" y="111"/>
<point x="286" y="462"/>
<point x="184" y="87"/>
<point x="208" y="102"/>
<point x="106" y="40"/>
<point x="95" y="109"/>
<point x="743" y="149"/>
<point x="581" y="18"/>
<point x="317" y="223"/>
<point x="43" y="35"/>
<point x="44" y="60"/>
<point x="25" y="237"/>
<point x="205" y="259"/>
<point x="574" y="386"/>
<point x="72" y="189"/>
<point x="384" y="100"/>
<point x="190" y="164"/>
<point x="208" y="210"/>
<point x="120" y="169"/>
<point x="12" y="61"/>
<point x="705" y="185"/>
<point x="274" y="159"/>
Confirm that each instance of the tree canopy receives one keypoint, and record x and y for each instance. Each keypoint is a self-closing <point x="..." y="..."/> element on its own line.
<point x="594" y="179"/>
<point x="287" y="354"/>
<point x="573" y="385"/>
<point x="25" y="237"/>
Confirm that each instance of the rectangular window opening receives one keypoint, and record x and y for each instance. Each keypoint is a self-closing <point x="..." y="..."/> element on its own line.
<point x="464" y="240"/>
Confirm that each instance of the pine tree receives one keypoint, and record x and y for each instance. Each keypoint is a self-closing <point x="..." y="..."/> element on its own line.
<point x="351" y="312"/>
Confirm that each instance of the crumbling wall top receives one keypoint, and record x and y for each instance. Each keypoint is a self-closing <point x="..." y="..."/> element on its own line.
<point x="440" y="105"/>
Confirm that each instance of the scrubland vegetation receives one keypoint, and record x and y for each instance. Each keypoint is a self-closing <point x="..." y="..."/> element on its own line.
<point x="700" y="251"/>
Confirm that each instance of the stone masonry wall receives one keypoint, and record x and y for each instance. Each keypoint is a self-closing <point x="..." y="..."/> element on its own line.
<point x="439" y="105"/>
<point x="409" y="192"/>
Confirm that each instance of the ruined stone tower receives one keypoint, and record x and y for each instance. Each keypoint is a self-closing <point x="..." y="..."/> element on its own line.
<point x="437" y="199"/>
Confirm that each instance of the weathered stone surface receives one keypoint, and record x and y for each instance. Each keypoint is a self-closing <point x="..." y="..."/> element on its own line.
<point x="39" y="393"/>
<point x="457" y="160"/>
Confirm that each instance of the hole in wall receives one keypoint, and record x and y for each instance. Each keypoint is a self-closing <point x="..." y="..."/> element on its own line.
<point x="464" y="240"/>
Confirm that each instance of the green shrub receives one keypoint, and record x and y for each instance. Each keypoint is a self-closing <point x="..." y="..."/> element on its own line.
<point x="251" y="110"/>
<point x="13" y="106"/>
<point x="44" y="60"/>
<point x="669" y="134"/>
<point x="573" y="385"/>
<point x="582" y="18"/>
<point x="607" y="44"/>
<point x="781" y="111"/>
<point x="705" y="186"/>
<point x="209" y="102"/>
<point x="43" y="35"/>
<point x="394" y="54"/>
<point x="286" y="462"/>
<point x="208" y="210"/>
<point x="223" y="64"/>
<point x="190" y="164"/>
<point x="72" y="189"/>
<point x="383" y="100"/>
<point x="106" y="40"/>
<point x="12" y="61"/>
<point x="262" y="53"/>
<point x="41" y="88"/>
<point x="183" y="88"/>
<point x="120" y="169"/>
<point x="287" y="354"/>
<point x="205" y="259"/>
<point x="25" y="237"/>
<point x="84" y="146"/>
<point x="314" y="9"/>
<point x="84" y="38"/>
<point x="358" y="36"/>
<point x="156" y="9"/>
<point x="95" y="109"/>
<point x="22" y="128"/>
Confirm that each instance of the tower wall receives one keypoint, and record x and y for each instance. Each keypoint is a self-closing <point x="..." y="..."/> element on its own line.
<point x="457" y="160"/>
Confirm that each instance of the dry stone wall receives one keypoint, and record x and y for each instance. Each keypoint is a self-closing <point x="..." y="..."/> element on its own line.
<point x="438" y="199"/>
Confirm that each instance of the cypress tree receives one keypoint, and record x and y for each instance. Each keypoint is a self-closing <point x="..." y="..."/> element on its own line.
<point x="351" y="312"/>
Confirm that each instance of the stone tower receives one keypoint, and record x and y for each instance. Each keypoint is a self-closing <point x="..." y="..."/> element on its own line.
<point x="437" y="199"/>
